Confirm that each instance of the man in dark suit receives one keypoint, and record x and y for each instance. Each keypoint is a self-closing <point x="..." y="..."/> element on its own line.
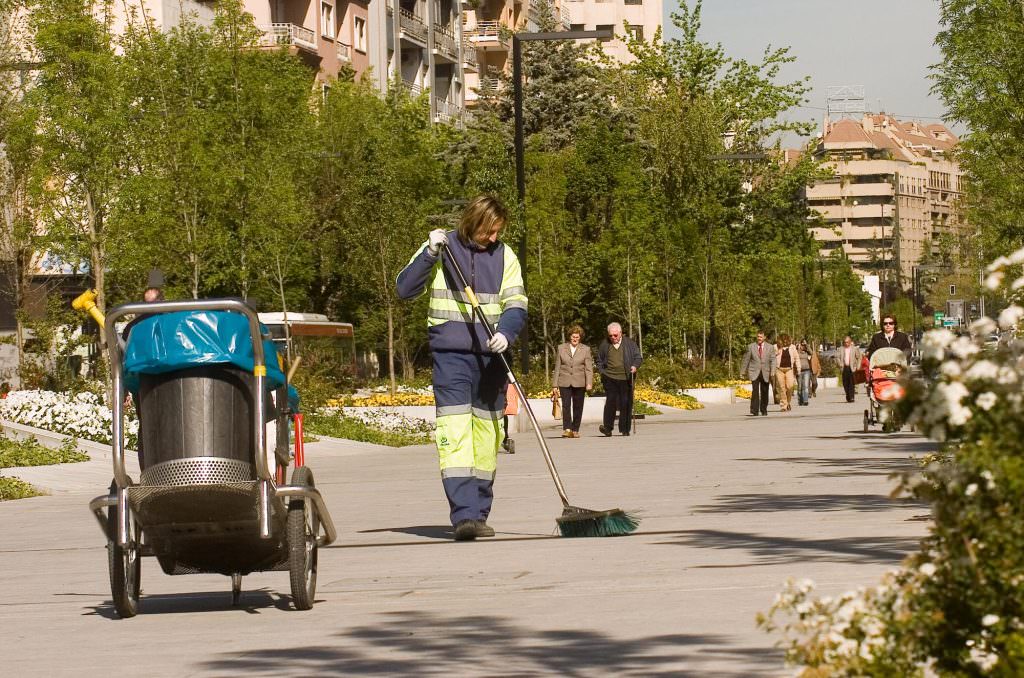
<point x="889" y="336"/>
<point x="759" y="366"/>
<point x="618" y="358"/>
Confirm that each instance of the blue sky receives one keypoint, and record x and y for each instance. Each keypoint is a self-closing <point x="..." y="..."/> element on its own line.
<point x="885" y="45"/>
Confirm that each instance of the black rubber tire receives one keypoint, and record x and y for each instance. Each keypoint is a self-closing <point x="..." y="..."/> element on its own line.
<point x="867" y="421"/>
<point x="302" y="531"/>
<point x="125" y="566"/>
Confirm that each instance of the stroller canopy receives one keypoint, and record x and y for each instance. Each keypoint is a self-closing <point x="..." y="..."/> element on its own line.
<point x="888" y="356"/>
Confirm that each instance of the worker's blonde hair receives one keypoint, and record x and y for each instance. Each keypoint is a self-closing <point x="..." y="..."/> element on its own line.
<point x="481" y="215"/>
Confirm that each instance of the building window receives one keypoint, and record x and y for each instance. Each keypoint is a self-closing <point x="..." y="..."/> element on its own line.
<point x="634" y="2"/>
<point x="577" y="27"/>
<point x="636" y="32"/>
<point x="605" y="27"/>
<point x="327" y="20"/>
<point x="359" y="31"/>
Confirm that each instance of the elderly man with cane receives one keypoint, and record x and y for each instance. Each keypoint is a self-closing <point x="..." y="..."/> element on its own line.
<point x="618" y="359"/>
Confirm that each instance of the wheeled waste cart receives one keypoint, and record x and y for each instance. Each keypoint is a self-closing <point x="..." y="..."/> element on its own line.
<point x="214" y="408"/>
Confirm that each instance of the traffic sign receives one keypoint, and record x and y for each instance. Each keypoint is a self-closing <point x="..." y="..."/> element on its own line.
<point x="951" y="322"/>
<point x="939" y="315"/>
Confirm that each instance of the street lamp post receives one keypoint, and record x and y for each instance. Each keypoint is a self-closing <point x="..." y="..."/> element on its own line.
<point x="517" y="103"/>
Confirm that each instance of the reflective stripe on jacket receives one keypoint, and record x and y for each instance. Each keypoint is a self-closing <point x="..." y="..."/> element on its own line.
<point x="496" y="278"/>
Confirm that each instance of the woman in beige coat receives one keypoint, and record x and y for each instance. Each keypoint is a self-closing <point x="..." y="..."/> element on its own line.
<point x="572" y="378"/>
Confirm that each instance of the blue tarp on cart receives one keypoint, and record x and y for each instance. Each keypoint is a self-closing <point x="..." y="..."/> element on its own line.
<point x="174" y="341"/>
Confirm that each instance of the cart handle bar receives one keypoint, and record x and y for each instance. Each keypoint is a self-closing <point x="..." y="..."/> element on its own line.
<point x="117" y="372"/>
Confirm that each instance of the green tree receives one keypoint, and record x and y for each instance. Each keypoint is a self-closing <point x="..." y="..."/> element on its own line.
<point x="979" y="78"/>
<point x="81" y="106"/>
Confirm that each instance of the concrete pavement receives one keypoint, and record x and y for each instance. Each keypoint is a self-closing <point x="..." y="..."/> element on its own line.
<point x="731" y="506"/>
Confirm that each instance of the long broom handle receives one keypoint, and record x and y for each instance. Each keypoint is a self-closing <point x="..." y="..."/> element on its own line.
<point x="468" y="291"/>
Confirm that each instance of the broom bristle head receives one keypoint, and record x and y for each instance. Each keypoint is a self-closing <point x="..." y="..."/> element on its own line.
<point x="581" y="522"/>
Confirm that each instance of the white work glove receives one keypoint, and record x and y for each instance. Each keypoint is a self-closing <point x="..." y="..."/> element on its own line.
<point x="498" y="343"/>
<point x="436" y="238"/>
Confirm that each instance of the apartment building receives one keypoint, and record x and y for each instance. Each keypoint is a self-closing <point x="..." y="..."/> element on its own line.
<point x="894" y="192"/>
<point x="329" y="35"/>
<point x="644" y="18"/>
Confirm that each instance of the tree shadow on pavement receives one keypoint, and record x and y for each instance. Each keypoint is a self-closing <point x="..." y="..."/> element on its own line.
<point x="425" y="643"/>
<point x="769" y="550"/>
<point x="857" y="466"/>
<point x="763" y="503"/>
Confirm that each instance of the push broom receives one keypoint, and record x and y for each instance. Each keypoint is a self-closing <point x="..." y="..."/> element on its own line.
<point x="574" y="521"/>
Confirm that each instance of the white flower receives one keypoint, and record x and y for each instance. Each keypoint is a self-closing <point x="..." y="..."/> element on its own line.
<point x="982" y="370"/>
<point x="983" y="326"/>
<point x="994" y="280"/>
<point x="999" y="263"/>
<point x="927" y="569"/>
<point x="989" y="619"/>
<point x="971" y="489"/>
<point x="990" y="481"/>
<point x="1017" y="257"/>
<point x="986" y="400"/>
<point x="986" y="661"/>
<point x="1010" y="316"/>
<point x="951" y="369"/>
<point x="963" y="347"/>
<point x="934" y="343"/>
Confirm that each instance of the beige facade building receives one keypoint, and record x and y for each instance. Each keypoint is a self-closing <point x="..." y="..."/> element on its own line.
<point x="644" y="18"/>
<point x="894" y="192"/>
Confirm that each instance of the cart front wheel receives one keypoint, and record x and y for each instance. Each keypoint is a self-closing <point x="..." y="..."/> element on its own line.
<point x="125" y="565"/>
<point x="867" y="421"/>
<point x="303" y="528"/>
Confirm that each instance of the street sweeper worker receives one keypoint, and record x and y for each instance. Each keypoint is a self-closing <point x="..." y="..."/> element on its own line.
<point x="469" y="378"/>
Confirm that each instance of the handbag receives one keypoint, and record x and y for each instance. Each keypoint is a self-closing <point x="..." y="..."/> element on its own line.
<point x="556" y="407"/>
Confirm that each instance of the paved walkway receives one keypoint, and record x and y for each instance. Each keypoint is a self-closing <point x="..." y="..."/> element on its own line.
<point x="731" y="506"/>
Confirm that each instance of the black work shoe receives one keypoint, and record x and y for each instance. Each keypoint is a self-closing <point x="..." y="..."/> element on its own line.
<point x="625" y="433"/>
<point x="604" y="431"/>
<point x="465" y="530"/>
<point x="483" y="529"/>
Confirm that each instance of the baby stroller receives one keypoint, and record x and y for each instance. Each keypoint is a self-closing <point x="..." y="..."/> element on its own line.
<point x="884" y="389"/>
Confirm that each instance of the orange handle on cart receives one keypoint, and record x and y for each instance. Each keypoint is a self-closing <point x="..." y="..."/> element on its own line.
<point x="300" y="454"/>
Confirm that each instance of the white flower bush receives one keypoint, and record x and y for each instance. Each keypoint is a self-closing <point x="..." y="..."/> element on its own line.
<point x="383" y="419"/>
<point x="957" y="606"/>
<point x="82" y="415"/>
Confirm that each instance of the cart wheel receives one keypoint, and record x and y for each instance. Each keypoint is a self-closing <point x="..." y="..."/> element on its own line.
<point x="867" y="421"/>
<point x="236" y="588"/>
<point x="303" y="528"/>
<point x="125" y="566"/>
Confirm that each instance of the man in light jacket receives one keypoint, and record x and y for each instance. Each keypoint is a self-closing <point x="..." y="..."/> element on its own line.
<point x="848" y="359"/>
<point x="759" y="366"/>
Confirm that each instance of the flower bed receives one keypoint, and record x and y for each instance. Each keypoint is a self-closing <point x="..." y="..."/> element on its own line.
<point x="82" y="415"/>
<point x="679" y="401"/>
<point x="369" y="425"/>
<point x="381" y="397"/>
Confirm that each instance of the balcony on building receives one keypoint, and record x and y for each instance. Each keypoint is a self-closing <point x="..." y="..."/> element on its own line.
<point x="448" y="111"/>
<point x="445" y="45"/>
<point x="344" y="52"/>
<point x="288" y="35"/>
<point x="477" y="89"/>
<point x="469" y="59"/>
<point x="412" y="26"/>
<point x="488" y="36"/>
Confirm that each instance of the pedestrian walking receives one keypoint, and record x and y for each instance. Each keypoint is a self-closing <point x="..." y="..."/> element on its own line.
<point x="618" y="359"/>
<point x="573" y="377"/>
<point x="806" y="374"/>
<point x="788" y="364"/>
<point x="759" y="366"/>
<point x="890" y="336"/>
<point x="848" y="359"/>
<point x="775" y="375"/>
<point x="815" y="370"/>
<point x="468" y="377"/>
